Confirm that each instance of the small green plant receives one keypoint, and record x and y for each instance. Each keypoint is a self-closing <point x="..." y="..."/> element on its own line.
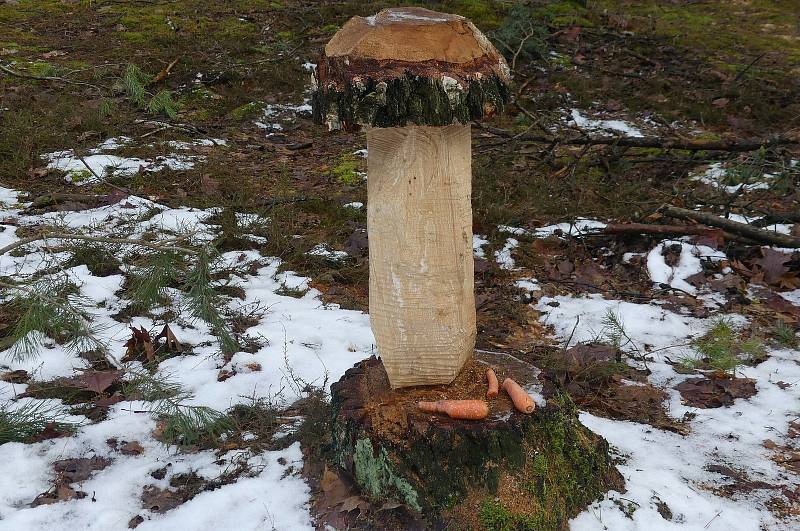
<point x="614" y="332"/>
<point x="291" y="292"/>
<point x="723" y="349"/>
<point x="162" y="103"/>
<point x="194" y="425"/>
<point x="51" y="307"/>
<point x="149" y="281"/>
<point x="133" y="84"/>
<point x="97" y="258"/>
<point x="346" y="171"/>
<point x="24" y="423"/>
<point x="142" y="385"/>
<point x="183" y="424"/>
<point x="204" y="301"/>
<point x="785" y="335"/>
<point x="247" y="111"/>
<point x="521" y="33"/>
<point x="493" y="516"/>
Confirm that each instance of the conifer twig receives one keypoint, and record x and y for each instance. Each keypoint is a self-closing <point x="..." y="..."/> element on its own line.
<point x="167" y="245"/>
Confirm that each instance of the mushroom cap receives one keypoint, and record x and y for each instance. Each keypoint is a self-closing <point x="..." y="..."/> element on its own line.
<point x="409" y="66"/>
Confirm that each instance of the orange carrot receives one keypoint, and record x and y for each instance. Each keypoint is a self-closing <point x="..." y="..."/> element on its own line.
<point x="494" y="387"/>
<point x="457" y="409"/>
<point x="522" y="400"/>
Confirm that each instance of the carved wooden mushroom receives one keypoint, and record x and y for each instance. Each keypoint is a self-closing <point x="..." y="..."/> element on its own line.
<point x="415" y="79"/>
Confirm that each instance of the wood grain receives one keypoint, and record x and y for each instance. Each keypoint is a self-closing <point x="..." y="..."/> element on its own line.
<point x="419" y="219"/>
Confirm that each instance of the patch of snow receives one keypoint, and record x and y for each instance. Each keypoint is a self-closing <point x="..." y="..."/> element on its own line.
<point x="517" y="231"/>
<point x="324" y="251"/>
<point x="100" y="164"/>
<point x="576" y="228"/>
<point x="503" y="256"/>
<point x="661" y="465"/>
<point x="619" y="126"/>
<point x="627" y="257"/>
<point x="528" y="284"/>
<point x="478" y="242"/>
<point x="689" y="263"/>
<point x="716" y="172"/>
<point x="317" y="341"/>
<point x="792" y="296"/>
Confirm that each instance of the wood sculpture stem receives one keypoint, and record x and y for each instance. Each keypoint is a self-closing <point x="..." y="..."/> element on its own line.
<point x="419" y="219"/>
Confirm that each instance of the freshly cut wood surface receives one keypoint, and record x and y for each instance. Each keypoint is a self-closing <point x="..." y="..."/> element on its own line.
<point x="419" y="218"/>
<point x="410" y="34"/>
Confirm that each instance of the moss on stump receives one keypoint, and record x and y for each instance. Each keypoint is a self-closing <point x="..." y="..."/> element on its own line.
<point x="509" y="471"/>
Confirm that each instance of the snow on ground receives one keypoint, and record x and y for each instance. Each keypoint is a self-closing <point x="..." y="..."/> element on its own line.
<point x="478" y="242"/>
<point x="617" y="126"/>
<point x="715" y="175"/>
<point x="669" y="467"/>
<point x="503" y="256"/>
<point x="689" y="263"/>
<point x="302" y="335"/>
<point x="274" y="116"/>
<point x="99" y="163"/>
<point x="314" y="340"/>
<point x="578" y="227"/>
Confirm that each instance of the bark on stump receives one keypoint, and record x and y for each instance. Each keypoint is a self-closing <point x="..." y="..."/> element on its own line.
<point x="532" y="471"/>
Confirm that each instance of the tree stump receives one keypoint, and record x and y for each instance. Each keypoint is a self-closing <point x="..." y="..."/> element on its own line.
<point x="510" y="470"/>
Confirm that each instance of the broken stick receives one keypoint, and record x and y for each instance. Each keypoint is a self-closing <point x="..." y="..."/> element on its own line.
<point x="734" y="227"/>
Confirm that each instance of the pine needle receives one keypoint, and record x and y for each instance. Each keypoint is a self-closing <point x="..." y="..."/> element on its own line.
<point x="150" y="281"/>
<point x="162" y="103"/>
<point x="204" y="302"/>
<point x="133" y="82"/>
<point x="51" y="307"/>
<point x="23" y="423"/>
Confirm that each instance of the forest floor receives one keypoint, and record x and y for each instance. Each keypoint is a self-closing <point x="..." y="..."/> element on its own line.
<point x="187" y="125"/>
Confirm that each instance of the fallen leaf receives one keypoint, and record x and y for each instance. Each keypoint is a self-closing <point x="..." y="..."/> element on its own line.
<point x="160" y="500"/>
<point x="54" y="53"/>
<point x="51" y="431"/>
<point x="132" y="448"/>
<point x="772" y="264"/>
<point x="97" y="381"/>
<point x="352" y="503"/>
<point x="334" y="488"/>
<point x="171" y="342"/>
<point x="715" y="392"/>
<point x="60" y="492"/>
<point x="80" y="468"/>
<point x="162" y="75"/>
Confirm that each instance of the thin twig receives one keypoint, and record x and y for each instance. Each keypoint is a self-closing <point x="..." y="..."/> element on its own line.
<point x="14" y="73"/>
<point x="167" y="245"/>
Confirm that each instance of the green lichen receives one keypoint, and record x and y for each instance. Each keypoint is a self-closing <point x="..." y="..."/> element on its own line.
<point x="374" y="474"/>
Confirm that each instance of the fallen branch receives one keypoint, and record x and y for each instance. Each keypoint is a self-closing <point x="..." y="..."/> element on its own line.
<point x="168" y="245"/>
<point x="643" y="228"/>
<point x="656" y="142"/>
<point x="20" y="75"/>
<point x="734" y="227"/>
